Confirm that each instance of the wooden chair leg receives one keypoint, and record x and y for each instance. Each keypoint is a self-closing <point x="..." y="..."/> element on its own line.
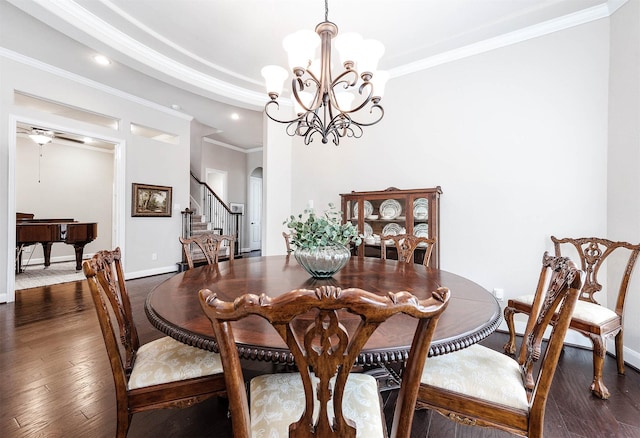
<point x="619" y="352"/>
<point x="124" y="421"/>
<point x="510" y="346"/>
<point x="597" y="386"/>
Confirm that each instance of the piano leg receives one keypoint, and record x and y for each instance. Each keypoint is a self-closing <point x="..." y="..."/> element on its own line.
<point x="79" y="247"/>
<point x="46" y="249"/>
<point x="19" y="259"/>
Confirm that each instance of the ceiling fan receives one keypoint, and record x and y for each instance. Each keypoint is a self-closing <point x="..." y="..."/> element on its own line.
<point x="43" y="136"/>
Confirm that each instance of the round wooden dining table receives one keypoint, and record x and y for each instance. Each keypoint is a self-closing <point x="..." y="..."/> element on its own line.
<point x="174" y="308"/>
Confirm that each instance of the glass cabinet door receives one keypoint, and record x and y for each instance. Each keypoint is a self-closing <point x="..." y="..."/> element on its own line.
<point x="392" y="212"/>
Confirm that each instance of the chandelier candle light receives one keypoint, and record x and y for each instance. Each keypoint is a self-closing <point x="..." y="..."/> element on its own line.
<point x="324" y="105"/>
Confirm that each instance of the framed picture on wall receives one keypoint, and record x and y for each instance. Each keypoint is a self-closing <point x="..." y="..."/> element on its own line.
<point x="236" y="208"/>
<point x="151" y="201"/>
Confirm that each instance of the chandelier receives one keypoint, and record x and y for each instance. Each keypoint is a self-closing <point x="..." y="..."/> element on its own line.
<point x="331" y="108"/>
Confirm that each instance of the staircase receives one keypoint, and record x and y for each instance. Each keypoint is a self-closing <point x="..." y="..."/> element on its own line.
<point x="208" y="214"/>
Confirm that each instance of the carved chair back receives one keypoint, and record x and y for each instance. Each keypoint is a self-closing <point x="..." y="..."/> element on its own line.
<point x="224" y="241"/>
<point x="106" y="281"/>
<point x="560" y="280"/>
<point x="593" y="253"/>
<point x="201" y="243"/>
<point x="406" y="245"/>
<point x="313" y="325"/>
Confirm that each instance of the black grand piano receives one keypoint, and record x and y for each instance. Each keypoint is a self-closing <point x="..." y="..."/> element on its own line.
<point x="30" y="231"/>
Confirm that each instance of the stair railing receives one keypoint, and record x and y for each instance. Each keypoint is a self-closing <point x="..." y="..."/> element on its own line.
<point x="215" y="212"/>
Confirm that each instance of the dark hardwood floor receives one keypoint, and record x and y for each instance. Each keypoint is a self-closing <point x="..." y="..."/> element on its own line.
<point x="56" y="380"/>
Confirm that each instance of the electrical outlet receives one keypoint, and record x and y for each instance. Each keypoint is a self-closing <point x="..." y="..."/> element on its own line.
<point x="154" y="256"/>
<point x="498" y="293"/>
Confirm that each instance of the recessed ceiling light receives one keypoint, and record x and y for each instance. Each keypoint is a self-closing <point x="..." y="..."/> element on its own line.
<point x="235" y="116"/>
<point x="175" y="106"/>
<point x="87" y="140"/>
<point x="102" y="60"/>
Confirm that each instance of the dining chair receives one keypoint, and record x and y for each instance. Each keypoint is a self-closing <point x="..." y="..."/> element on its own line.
<point x="226" y="246"/>
<point x="324" y="330"/>
<point x="163" y="373"/>
<point x="482" y="387"/>
<point x="287" y="241"/>
<point x="406" y="245"/>
<point x="591" y="319"/>
<point x="199" y="245"/>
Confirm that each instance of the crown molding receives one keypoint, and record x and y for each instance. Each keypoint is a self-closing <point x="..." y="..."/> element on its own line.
<point x="79" y="17"/>
<point x="557" y="24"/>
<point x="22" y="59"/>
<point x="232" y="147"/>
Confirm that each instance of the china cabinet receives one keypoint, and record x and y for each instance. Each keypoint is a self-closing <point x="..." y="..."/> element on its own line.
<point x="394" y="211"/>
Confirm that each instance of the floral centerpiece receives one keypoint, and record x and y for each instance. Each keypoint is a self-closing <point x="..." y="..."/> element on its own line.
<point x="320" y="241"/>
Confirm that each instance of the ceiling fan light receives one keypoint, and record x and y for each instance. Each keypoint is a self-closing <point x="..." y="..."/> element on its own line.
<point x="40" y="136"/>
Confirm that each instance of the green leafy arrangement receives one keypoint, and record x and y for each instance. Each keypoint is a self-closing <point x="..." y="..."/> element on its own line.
<point x="316" y="231"/>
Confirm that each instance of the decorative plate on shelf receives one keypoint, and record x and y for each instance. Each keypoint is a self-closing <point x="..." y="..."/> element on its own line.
<point x="392" y="230"/>
<point x="368" y="209"/>
<point x="420" y="208"/>
<point x="390" y="209"/>
<point x="421" y="230"/>
<point x="368" y="231"/>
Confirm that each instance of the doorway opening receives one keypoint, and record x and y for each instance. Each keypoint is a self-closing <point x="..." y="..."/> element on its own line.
<point x="255" y="209"/>
<point x="68" y="194"/>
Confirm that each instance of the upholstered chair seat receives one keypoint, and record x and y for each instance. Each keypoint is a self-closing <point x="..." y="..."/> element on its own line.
<point x="472" y="372"/>
<point x="584" y="311"/>
<point x="278" y="400"/>
<point x="167" y="360"/>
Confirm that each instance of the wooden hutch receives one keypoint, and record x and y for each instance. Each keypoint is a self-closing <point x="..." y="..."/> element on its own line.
<point x="394" y="211"/>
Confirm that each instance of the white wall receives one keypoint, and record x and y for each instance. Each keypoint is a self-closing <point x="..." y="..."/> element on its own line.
<point x="509" y="135"/>
<point x="624" y="154"/>
<point x="277" y="186"/>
